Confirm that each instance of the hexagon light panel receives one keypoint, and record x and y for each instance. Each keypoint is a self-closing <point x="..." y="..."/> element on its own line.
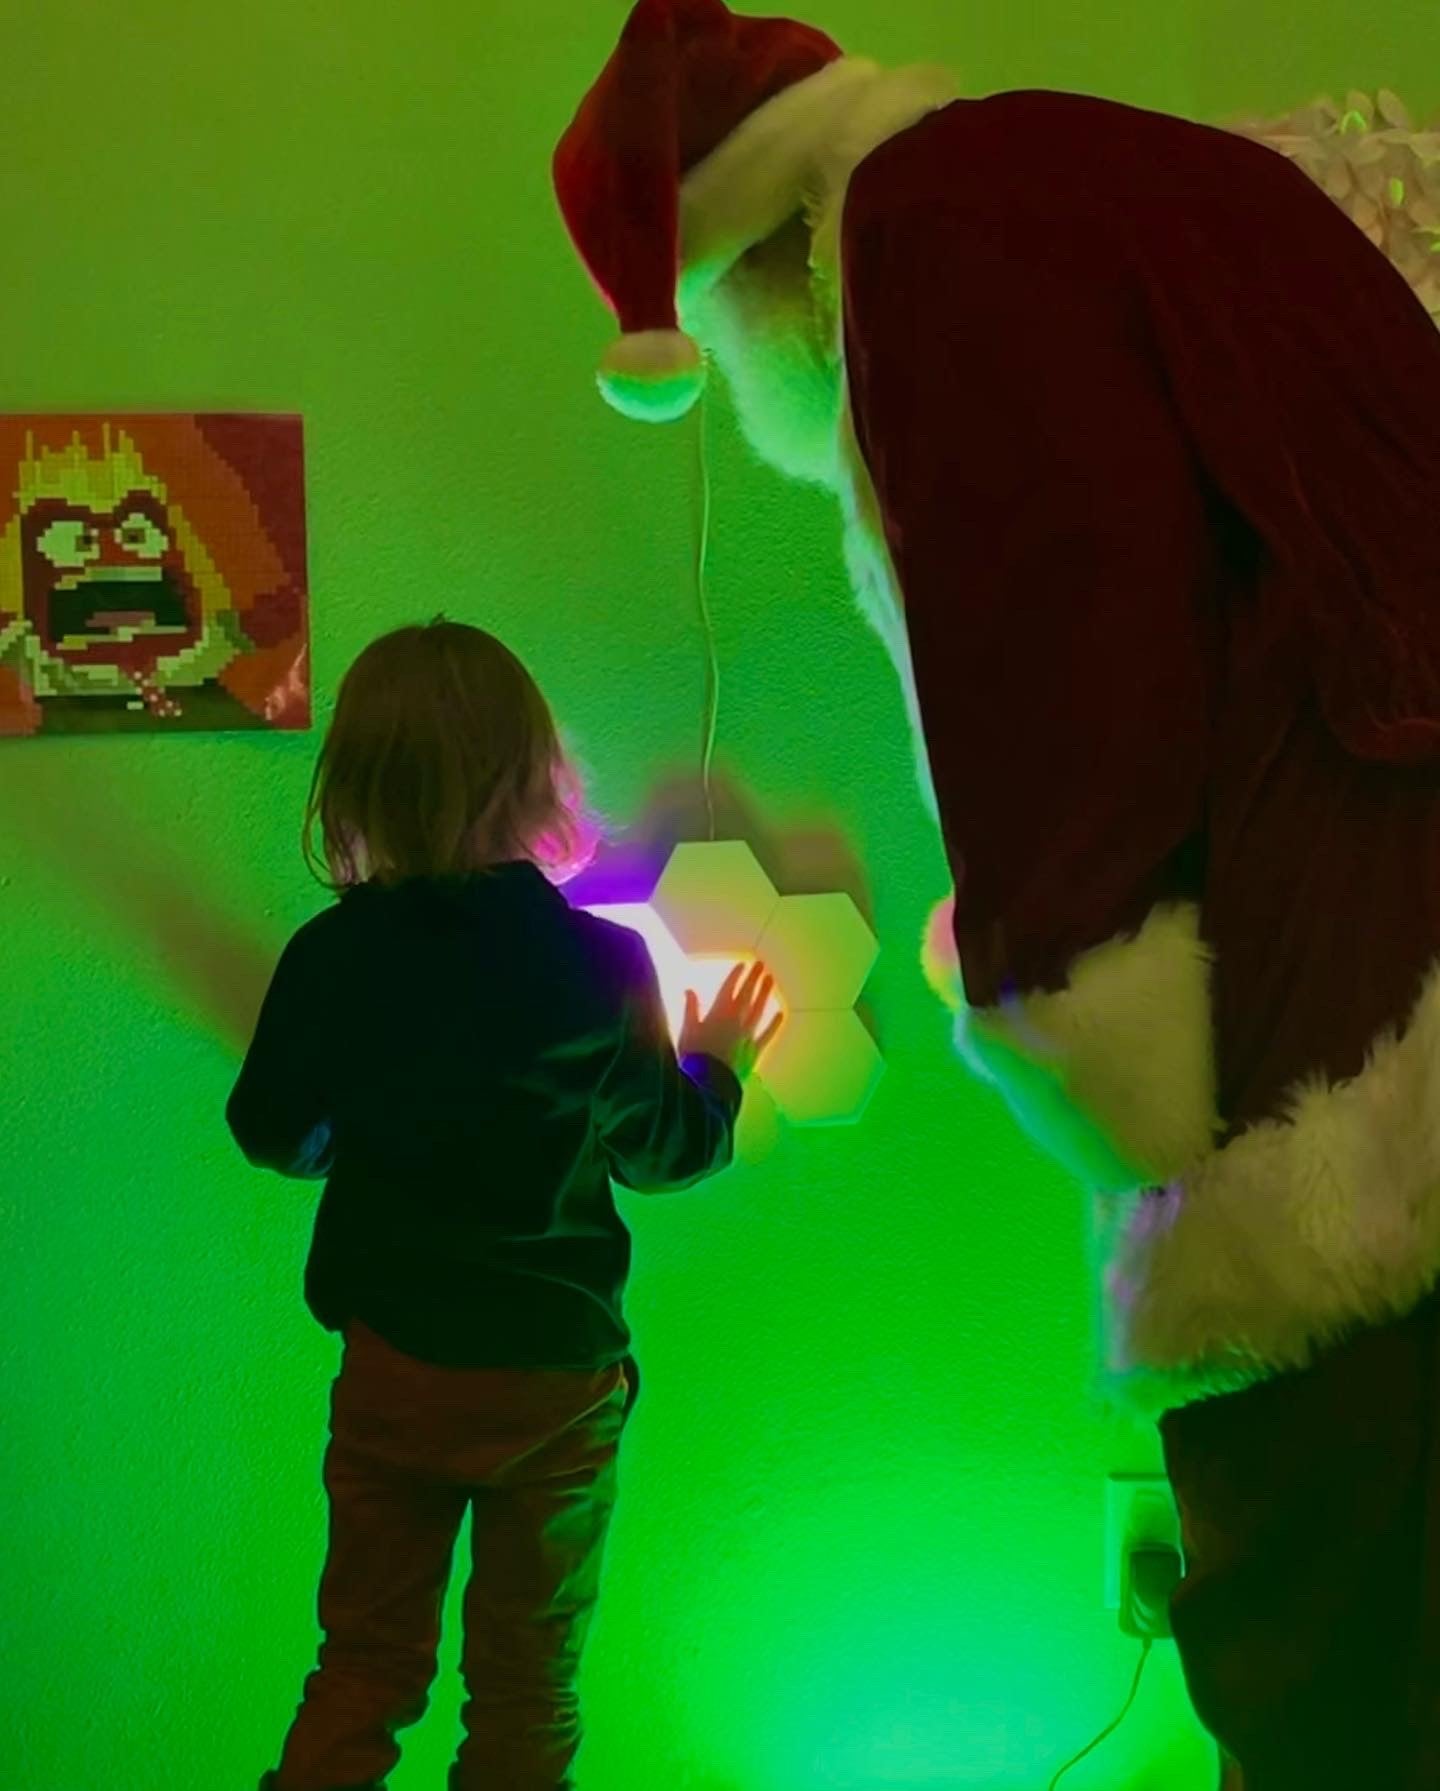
<point x="714" y="907"/>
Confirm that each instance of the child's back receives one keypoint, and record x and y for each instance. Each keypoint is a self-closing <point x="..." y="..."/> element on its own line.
<point x="471" y="1061"/>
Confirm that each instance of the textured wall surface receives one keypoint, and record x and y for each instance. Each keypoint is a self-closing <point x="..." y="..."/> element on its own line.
<point x="860" y="1545"/>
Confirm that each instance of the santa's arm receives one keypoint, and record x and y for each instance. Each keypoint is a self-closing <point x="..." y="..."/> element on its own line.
<point x="1059" y="572"/>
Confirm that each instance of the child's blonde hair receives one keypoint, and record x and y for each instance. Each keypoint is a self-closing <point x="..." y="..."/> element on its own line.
<point x="442" y="759"/>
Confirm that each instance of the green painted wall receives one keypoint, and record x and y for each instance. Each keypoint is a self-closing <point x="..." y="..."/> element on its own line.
<point x="861" y="1538"/>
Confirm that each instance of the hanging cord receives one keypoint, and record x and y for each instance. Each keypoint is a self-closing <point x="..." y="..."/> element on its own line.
<point x="1105" y="1734"/>
<point x="708" y="732"/>
<point x="712" y="672"/>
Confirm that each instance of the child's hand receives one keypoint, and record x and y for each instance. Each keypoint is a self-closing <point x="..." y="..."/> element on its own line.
<point x="728" y="1031"/>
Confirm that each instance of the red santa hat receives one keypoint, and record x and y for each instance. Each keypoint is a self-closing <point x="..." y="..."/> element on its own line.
<point x="684" y="75"/>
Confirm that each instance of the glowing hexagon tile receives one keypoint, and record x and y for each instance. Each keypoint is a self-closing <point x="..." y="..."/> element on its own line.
<point x="714" y="907"/>
<point x="822" y="1068"/>
<point x="714" y="897"/>
<point x="678" y="971"/>
<point x="819" y="949"/>
<point x="672" y="967"/>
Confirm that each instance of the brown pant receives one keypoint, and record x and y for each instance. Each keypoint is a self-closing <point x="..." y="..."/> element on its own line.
<point x="533" y="1454"/>
<point x="1308" y="1623"/>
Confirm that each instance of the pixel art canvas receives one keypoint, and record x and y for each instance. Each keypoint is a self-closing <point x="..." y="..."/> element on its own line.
<point x="152" y="574"/>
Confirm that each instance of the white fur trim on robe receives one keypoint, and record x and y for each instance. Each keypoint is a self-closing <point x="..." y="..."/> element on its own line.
<point x="872" y="578"/>
<point x="1252" y="1258"/>
<point x="795" y="154"/>
<point x="1114" y="1074"/>
<point x="1305" y="1228"/>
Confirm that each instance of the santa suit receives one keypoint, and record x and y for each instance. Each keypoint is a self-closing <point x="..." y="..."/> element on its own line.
<point x="1141" y="438"/>
<point x="1172" y="590"/>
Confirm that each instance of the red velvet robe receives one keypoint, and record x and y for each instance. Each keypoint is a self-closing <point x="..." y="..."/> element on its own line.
<point x="1155" y="435"/>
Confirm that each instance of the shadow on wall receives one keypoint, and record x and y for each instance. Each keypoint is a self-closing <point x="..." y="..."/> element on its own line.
<point x="805" y="858"/>
<point x="79" y="826"/>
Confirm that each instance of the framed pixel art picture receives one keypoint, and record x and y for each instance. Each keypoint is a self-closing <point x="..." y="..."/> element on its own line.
<point x="152" y="574"/>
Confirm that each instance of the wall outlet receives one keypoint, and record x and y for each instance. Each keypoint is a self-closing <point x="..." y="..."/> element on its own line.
<point x="1140" y="1512"/>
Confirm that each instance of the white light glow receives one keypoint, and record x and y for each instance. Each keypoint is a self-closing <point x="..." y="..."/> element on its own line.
<point x="676" y="970"/>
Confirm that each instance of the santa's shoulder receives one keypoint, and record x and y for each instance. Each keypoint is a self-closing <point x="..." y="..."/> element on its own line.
<point x="1033" y="149"/>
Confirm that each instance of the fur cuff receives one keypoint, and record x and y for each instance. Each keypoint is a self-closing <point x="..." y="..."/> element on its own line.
<point x="1114" y="1074"/>
<point x="1303" y="1229"/>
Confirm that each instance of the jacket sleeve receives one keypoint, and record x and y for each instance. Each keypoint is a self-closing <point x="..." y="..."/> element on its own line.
<point x="663" y="1125"/>
<point x="1051" y="541"/>
<point x="277" y="1111"/>
<point x="1057" y="561"/>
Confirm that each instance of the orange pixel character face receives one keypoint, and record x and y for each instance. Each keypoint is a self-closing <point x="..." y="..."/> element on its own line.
<point x="107" y="584"/>
<point x="152" y="572"/>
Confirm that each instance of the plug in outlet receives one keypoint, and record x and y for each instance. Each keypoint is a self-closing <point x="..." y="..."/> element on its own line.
<point x="1150" y="1578"/>
<point x="1142" y="1549"/>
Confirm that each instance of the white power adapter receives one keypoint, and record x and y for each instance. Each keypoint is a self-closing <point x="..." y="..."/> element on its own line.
<point x="1149" y="1575"/>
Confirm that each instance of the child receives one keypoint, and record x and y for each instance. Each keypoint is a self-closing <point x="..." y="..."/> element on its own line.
<point x="468" y="1062"/>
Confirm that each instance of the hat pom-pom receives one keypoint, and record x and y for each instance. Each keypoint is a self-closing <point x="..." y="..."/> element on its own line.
<point x="654" y="376"/>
